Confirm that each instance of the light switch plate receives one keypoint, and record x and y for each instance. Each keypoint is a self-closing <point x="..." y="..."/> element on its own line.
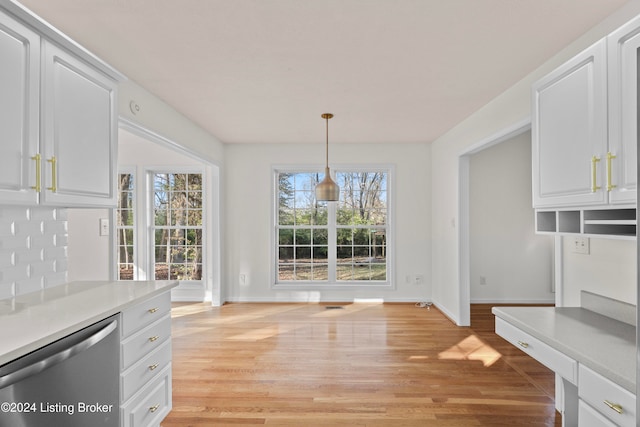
<point x="104" y="227"/>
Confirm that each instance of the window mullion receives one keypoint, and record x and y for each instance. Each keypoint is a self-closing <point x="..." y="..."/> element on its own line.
<point x="332" y="239"/>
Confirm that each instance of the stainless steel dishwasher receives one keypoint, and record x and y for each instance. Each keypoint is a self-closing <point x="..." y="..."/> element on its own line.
<point x="72" y="382"/>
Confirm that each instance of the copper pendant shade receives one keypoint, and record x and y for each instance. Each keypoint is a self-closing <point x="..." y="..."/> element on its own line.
<point x="327" y="190"/>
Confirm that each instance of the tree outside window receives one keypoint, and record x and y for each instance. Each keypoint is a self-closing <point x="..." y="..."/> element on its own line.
<point x="177" y="227"/>
<point x="344" y="241"/>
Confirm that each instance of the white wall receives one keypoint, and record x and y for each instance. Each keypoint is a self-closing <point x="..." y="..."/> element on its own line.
<point x="155" y="115"/>
<point x="248" y="243"/>
<point x="510" y="107"/>
<point x="89" y="252"/>
<point x="516" y="264"/>
<point x="609" y="269"/>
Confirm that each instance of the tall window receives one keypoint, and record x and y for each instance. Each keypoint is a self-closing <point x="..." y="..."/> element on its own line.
<point x="343" y="242"/>
<point x="177" y="226"/>
<point x="125" y="227"/>
<point x="171" y="226"/>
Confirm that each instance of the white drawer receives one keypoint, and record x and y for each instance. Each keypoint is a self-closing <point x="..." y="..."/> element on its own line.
<point x="145" y="341"/>
<point x="144" y="370"/>
<point x="558" y="362"/>
<point x="145" y="313"/>
<point x="596" y="390"/>
<point x="151" y="404"/>
<point x="589" y="417"/>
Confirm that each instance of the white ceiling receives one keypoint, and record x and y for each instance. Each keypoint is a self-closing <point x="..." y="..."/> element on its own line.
<point x="265" y="70"/>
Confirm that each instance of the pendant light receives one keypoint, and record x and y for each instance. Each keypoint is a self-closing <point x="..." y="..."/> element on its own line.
<point x="327" y="190"/>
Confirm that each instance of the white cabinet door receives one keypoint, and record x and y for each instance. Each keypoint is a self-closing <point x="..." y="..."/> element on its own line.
<point x="79" y="132"/>
<point x="569" y="127"/>
<point x="623" y="47"/>
<point x="19" y="107"/>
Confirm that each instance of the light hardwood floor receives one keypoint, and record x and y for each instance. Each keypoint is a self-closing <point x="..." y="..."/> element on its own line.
<point x="365" y="365"/>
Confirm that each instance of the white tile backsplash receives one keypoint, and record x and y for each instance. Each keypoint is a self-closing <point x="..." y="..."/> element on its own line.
<point x="33" y="249"/>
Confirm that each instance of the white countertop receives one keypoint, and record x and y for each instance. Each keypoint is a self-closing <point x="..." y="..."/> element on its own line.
<point x="30" y="321"/>
<point x="601" y="343"/>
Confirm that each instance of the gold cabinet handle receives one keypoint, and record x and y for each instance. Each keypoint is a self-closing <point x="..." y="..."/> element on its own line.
<point x="523" y="344"/>
<point x="610" y="186"/>
<point x="594" y="173"/>
<point x="153" y="367"/>
<point x="54" y="174"/>
<point x="38" y="160"/>
<point x="154" y="408"/>
<point x="153" y="338"/>
<point x="153" y="310"/>
<point x="614" y="406"/>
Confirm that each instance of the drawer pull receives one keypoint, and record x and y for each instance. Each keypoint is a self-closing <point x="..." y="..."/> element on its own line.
<point x="153" y="310"/>
<point x="153" y="367"/>
<point x="523" y="344"/>
<point x="154" y="408"/>
<point x="614" y="406"/>
<point x="153" y="338"/>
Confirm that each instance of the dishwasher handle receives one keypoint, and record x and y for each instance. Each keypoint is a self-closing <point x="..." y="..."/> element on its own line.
<point x="58" y="357"/>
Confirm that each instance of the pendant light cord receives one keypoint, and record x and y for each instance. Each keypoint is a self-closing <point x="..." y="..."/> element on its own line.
<point x="326" y="119"/>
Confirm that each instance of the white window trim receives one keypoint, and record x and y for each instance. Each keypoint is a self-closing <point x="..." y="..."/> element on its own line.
<point x="390" y="283"/>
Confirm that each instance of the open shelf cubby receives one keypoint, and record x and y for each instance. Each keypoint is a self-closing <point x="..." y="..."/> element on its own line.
<point x="546" y="222"/>
<point x="615" y="222"/>
<point x="603" y="222"/>
<point x="569" y="221"/>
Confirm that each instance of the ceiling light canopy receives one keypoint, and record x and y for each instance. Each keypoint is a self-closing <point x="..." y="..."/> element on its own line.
<point x="327" y="190"/>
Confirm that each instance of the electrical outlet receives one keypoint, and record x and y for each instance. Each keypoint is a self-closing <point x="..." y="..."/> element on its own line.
<point x="580" y="245"/>
<point x="418" y="279"/>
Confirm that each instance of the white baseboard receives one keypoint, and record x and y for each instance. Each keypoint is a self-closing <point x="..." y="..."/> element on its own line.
<point x="447" y="313"/>
<point x="293" y="299"/>
<point x="512" y="301"/>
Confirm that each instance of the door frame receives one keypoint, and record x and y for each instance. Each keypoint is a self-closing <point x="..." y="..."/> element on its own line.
<point x="464" y="253"/>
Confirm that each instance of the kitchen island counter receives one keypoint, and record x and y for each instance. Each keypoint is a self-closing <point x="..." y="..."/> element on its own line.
<point x="33" y="320"/>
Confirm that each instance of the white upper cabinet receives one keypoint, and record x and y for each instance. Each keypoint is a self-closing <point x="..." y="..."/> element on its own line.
<point x="569" y="132"/>
<point x="58" y="119"/>
<point x="79" y="132"/>
<point x="585" y="126"/>
<point x="623" y="45"/>
<point x="19" y="111"/>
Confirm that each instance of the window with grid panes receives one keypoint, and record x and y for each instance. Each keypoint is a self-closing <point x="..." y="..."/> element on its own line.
<point x="336" y="242"/>
<point x="177" y="226"/>
<point x="125" y="227"/>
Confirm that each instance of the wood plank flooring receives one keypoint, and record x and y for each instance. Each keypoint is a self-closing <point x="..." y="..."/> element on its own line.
<point x="363" y="365"/>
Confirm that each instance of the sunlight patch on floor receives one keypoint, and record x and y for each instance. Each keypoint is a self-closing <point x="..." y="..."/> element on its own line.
<point x="264" y="333"/>
<point x="471" y="348"/>
<point x="189" y="309"/>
